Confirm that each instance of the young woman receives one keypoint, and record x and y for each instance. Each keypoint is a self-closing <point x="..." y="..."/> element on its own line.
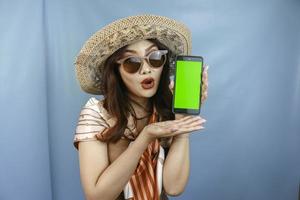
<point x="130" y="144"/>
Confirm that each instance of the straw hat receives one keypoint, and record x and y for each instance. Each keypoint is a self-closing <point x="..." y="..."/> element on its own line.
<point x="89" y="62"/>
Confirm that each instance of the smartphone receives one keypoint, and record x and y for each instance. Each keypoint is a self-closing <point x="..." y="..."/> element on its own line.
<point x="187" y="85"/>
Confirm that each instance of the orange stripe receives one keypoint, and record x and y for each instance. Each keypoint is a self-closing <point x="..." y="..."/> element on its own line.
<point x="133" y="188"/>
<point x="148" y="160"/>
<point x="135" y="185"/>
<point x="150" y="178"/>
<point x="150" y="173"/>
<point x="144" y="185"/>
<point x="143" y="181"/>
<point x="149" y="185"/>
<point x="142" y="167"/>
<point x="140" y="189"/>
<point x="140" y="180"/>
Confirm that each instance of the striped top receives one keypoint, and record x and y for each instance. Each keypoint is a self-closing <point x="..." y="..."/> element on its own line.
<point x="146" y="182"/>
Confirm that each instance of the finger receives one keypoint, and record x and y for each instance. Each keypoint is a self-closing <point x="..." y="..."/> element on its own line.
<point x="177" y="121"/>
<point x="167" y="123"/>
<point x="203" y="99"/>
<point x="169" y="131"/>
<point x="205" y="74"/>
<point x="197" y="122"/>
<point x="176" y="125"/>
<point x="188" y="130"/>
<point x="204" y="87"/>
<point x="204" y="90"/>
<point x="204" y="80"/>
<point x="193" y="123"/>
<point x="189" y="116"/>
<point x="188" y="120"/>
<point x="204" y="93"/>
<point x="191" y="129"/>
<point x="171" y="86"/>
<point x="185" y="120"/>
<point x="194" y="120"/>
<point x="206" y="67"/>
<point x="178" y="129"/>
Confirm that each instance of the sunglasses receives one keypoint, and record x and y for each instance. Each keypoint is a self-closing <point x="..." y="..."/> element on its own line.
<point x="155" y="59"/>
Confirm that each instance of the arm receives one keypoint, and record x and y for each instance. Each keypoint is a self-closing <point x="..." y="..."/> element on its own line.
<point x="177" y="165"/>
<point x="98" y="178"/>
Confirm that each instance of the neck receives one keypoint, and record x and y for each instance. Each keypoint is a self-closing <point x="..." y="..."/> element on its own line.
<point x="141" y="105"/>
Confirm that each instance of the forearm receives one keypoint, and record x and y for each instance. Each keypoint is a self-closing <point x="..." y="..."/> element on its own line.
<point x="177" y="165"/>
<point x="117" y="174"/>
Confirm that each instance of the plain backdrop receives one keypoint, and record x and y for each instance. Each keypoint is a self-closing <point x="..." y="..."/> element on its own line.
<point x="250" y="147"/>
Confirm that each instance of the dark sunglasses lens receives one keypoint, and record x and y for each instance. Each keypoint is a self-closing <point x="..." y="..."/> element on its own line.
<point x="132" y="65"/>
<point x="157" y="59"/>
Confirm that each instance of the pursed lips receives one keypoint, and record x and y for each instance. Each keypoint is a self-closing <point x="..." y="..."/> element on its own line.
<point x="147" y="80"/>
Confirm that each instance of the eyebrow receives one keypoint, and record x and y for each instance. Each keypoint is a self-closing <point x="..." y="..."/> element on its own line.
<point x="133" y="51"/>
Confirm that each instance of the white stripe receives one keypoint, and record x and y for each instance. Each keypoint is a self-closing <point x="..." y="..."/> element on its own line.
<point x="159" y="168"/>
<point x="128" y="193"/>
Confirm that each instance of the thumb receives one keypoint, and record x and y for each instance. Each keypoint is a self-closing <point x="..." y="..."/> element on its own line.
<point x="171" y="85"/>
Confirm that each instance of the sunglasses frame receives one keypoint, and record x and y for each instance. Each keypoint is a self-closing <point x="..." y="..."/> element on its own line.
<point x="142" y="59"/>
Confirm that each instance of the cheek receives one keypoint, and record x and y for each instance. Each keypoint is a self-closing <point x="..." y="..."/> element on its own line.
<point x="158" y="73"/>
<point x="130" y="81"/>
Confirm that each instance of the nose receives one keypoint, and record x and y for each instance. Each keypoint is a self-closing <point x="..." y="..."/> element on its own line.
<point x="145" y="68"/>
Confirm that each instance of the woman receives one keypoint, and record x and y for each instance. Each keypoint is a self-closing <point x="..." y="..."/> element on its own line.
<point x="137" y="148"/>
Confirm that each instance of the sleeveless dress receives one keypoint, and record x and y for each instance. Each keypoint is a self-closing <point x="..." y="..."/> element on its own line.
<point x="146" y="182"/>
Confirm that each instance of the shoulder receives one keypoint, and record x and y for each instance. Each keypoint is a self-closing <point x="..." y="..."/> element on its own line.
<point x="92" y="101"/>
<point x="94" y="105"/>
<point x="93" y="120"/>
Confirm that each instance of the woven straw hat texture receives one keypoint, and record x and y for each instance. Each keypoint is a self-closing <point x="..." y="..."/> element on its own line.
<point x="89" y="63"/>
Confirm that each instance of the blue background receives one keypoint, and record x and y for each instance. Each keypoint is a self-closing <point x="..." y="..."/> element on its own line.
<point x="251" y="142"/>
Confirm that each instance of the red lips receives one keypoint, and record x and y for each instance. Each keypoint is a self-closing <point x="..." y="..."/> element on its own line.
<point x="147" y="80"/>
<point x="147" y="83"/>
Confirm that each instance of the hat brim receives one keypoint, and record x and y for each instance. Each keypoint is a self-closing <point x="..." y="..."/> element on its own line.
<point x="89" y="63"/>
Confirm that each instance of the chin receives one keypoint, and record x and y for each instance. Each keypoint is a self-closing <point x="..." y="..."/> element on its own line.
<point x="148" y="93"/>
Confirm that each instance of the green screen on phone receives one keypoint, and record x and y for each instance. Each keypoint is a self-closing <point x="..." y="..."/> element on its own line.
<point x="187" y="84"/>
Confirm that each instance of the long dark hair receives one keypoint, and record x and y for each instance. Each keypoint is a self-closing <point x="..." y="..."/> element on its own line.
<point x="116" y="100"/>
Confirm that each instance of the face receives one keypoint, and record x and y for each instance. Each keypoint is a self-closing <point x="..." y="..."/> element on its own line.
<point x="133" y="81"/>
